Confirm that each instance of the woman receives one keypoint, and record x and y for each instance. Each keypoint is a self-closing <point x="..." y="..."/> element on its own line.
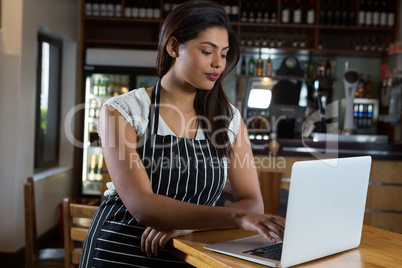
<point x="169" y="149"/>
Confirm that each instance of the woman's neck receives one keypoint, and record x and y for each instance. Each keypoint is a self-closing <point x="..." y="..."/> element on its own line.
<point x="177" y="93"/>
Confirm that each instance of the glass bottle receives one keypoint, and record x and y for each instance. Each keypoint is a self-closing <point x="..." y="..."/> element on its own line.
<point x="251" y="66"/>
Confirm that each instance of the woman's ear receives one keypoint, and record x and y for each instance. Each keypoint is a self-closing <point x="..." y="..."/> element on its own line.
<point x="172" y="47"/>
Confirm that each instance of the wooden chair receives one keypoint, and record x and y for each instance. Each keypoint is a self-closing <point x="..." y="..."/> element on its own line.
<point x="270" y="183"/>
<point x="34" y="257"/>
<point x="76" y="219"/>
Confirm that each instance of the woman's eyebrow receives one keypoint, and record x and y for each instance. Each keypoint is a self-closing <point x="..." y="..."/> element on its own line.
<point x="213" y="45"/>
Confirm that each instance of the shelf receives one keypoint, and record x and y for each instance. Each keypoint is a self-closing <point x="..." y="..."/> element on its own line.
<point x="281" y="77"/>
<point x="123" y="19"/>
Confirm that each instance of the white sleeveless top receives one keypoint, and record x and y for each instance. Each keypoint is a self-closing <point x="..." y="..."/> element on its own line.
<point x="134" y="107"/>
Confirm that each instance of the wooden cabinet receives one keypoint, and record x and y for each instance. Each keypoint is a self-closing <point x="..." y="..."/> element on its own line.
<point x="260" y="31"/>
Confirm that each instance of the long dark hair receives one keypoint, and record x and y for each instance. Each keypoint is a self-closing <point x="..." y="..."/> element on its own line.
<point x="185" y="23"/>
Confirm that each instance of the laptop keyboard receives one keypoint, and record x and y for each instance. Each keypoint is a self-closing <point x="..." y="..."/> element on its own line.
<point x="273" y="252"/>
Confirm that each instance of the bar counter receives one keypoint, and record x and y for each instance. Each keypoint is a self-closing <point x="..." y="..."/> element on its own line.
<point x="305" y="147"/>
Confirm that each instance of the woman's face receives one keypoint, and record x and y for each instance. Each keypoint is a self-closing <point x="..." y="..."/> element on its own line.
<point x="201" y="61"/>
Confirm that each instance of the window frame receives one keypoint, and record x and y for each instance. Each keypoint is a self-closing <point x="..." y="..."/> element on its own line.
<point x="40" y="164"/>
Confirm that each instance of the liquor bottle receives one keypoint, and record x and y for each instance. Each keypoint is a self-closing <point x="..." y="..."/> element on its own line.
<point x="103" y="8"/>
<point x="269" y="68"/>
<point x="135" y="11"/>
<point x="352" y="13"/>
<point x="376" y="14"/>
<point x="110" y="8"/>
<point x="329" y="15"/>
<point x="234" y="11"/>
<point x="337" y="13"/>
<point x="166" y="8"/>
<point x="117" y="8"/>
<point x="244" y="12"/>
<point x="251" y="66"/>
<point x="156" y="9"/>
<point x="368" y="88"/>
<point x="149" y="12"/>
<point x="88" y="8"/>
<point x="297" y="13"/>
<point x="258" y="12"/>
<point x="383" y="14"/>
<point x="243" y="66"/>
<point x="127" y="8"/>
<point x="273" y="15"/>
<point x="142" y="10"/>
<point x="310" y="67"/>
<point x="251" y="14"/>
<point x="360" y="87"/>
<point x="96" y="8"/>
<point x="92" y="167"/>
<point x="260" y="65"/>
<point x="362" y="13"/>
<point x="266" y="10"/>
<point x="311" y="13"/>
<point x="368" y="22"/>
<point x="285" y="12"/>
<point x="323" y="11"/>
<point x="344" y="14"/>
<point x="227" y="8"/>
<point x="98" y="175"/>
<point x="327" y="69"/>
<point x="391" y="15"/>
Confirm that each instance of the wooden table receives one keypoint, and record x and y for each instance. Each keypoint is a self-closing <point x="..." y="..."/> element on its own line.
<point x="378" y="248"/>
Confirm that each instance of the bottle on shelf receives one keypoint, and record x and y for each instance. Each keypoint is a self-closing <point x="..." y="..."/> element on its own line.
<point x="310" y="67"/>
<point x="297" y="13"/>
<point x="156" y="10"/>
<point x="352" y="13"/>
<point x="266" y="10"/>
<point x="329" y="14"/>
<point x="244" y="11"/>
<point x="323" y="12"/>
<point x="167" y="5"/>
<point x="95" y="8"/>
<point x="117" y="8"/>
<point x="88" y="8"/>
<point x="337" y="20"/>
<point x="260" y="65"/>
<point x="285" y="14"/>
<point x="227" y="7"/>
<point x="92" y="167"/>
<point x="243" y="66"/>
<point x="383" y="14"/>
<point x="360" y="88"/>
<point x="272" y="14"/>
<point x="362" y="13"/>
<point x="310" y="13"/>
<point x="368" y="21"/>
<point x="376" y="13"/>
<point x="251" y="66"/>
<point x="98" y="175"/>
<point x="127" y="8"/>
<point x="391" y="14"/>
<point x="368" y="87"/>
<point x="269" y="67"/>
<point x="258" y="12"/>
<point x="149" y="11"/>
<point x="103" y="8"/>
<point x="234" y="11"/>
<point x="251" y="14"/>
<point x="142" y="10"/>
<point x="110" y="8"/>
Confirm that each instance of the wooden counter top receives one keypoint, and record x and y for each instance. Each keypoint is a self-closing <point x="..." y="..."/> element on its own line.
<point x="378" y="248"/>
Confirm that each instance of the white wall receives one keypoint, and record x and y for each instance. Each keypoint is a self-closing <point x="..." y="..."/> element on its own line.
<point x="21" y="20"/>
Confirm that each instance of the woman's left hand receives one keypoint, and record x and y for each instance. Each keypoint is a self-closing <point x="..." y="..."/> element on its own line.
<point x="153" y="239"/>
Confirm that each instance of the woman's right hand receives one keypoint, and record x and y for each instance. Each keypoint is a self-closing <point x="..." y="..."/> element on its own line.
<point x="264" y="224"/>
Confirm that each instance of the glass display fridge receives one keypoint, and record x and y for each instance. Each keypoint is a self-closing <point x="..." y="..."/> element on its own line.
<point x="101" y="84"/>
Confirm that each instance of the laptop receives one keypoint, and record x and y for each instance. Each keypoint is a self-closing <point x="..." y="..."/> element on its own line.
<point x="324" y="214"/>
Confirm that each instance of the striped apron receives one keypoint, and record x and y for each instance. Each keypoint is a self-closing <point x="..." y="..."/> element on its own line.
<point x="184" y="169"/>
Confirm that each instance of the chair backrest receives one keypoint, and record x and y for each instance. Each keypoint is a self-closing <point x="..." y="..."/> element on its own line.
<point x="270" y="183"/>
<point x="76" y="219"/>
<point x="31" y="239"/>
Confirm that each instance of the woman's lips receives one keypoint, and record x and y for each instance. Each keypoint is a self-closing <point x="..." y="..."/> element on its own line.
<point x="212" y="76"/>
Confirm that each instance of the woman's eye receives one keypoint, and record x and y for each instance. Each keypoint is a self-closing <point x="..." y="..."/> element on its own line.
<point x="224" y="56"/>
<point x="206" y="52"/>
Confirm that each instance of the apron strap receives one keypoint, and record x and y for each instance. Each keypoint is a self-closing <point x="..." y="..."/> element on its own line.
<point x="153" y="117"/>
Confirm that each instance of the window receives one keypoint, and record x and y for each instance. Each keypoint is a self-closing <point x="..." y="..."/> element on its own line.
<point x="48" y="90"/>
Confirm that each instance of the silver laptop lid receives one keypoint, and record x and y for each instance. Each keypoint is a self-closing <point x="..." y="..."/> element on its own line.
<point x="325" y="208"/>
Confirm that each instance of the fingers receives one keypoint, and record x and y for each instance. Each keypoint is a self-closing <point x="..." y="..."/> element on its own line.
<point x="150" y="241"/>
